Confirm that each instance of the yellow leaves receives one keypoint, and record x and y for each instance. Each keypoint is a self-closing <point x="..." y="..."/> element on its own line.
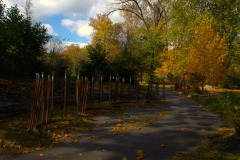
<point x="118" y="125"/>
<point x="91" y="137"/>
<point x="41" y="154"/>
<point x="133" y="117"/>
<point x="180" y="154"/>
<point x="120" y="121"/>
<point x="80" y="154"/>
<point x="105" y="122"/>
<point x="124" y="158"/>
<point x="236" y="107"/>
<point x="141" y="154"/>
<point x="26" y="151"/>
<point x="162" y="145"/>
<point x="38" y="149"/>
<point x="64" y="137"/>
<point x="184" y="129"/>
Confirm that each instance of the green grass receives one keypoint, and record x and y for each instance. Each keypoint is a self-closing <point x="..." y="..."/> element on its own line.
<point x="225" y="144"/>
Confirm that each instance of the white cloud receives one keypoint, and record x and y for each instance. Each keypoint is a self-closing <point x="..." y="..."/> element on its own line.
<point x="76" y="13"/>
<point x="80" y="27"/>
<point x="50" y="30"/>
<point x="82" y="45"/>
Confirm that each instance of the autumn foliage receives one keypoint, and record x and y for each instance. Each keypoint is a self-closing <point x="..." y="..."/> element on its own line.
<point x="207" y="54"/>
<point x="203" y="60"/>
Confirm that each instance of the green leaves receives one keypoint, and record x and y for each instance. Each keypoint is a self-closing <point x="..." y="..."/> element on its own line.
<point x="21" y="43"/>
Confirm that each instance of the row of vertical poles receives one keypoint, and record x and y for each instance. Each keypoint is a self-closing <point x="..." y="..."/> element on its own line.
<point x="81" y="95"/>
<point x="39" y="111"/>
<point x="152" y="90"/>
<point x="112" y="92"/>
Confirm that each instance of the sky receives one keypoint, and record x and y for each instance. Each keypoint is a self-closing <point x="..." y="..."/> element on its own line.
<point x="68" y="19"/>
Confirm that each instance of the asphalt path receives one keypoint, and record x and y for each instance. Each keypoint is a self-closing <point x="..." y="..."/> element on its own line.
<point x="181" y="130"/>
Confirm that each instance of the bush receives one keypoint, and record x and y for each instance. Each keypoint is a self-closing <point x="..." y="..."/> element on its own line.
<point x="230" y="103"/>
<point x="233" y="82"/>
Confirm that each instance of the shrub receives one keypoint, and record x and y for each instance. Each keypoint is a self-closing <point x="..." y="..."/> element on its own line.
<point x="230" y="103"/>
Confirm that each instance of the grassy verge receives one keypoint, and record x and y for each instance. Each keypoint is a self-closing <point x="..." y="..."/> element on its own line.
<point x="224" y="144"/>
<point x="15" y="138"/>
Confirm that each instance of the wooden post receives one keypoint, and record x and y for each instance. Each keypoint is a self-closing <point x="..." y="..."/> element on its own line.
<point x="92" y="91"/>
<point x="52" y="88"/>
<point x="64" y="113"/>
<point x="33" y="105"/>
<point x="42" y="104"/>
<point x="137" y="90"/>
<point x="85" y="95"/>
<point x="77" y="94"/>
<point x="101" y="92"/>
<point x="48" y="89"/>
<point x="110" y="91"/>
<point x="130" y="90"/>
<point x="163" y="94"/>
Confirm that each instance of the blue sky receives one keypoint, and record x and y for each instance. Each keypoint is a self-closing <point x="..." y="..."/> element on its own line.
<point x="68" y="18"/>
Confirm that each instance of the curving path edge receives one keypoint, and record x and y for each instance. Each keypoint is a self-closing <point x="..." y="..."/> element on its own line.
<point x="182" y="130"/>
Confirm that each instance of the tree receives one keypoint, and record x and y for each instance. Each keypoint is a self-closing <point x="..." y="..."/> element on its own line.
<point x="188" y="15"/>
<point x="27" y="9"/>
<point x="21" y="44"/>
<point x="208" y="54"/>
<point x="97" y="63"/>
<point x="107" y="34"/>
<point x="74" y="55"/>
<point x="152" y="20"/>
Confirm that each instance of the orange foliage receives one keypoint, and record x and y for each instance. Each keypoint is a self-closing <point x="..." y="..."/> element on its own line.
<point x="207" y="54"/>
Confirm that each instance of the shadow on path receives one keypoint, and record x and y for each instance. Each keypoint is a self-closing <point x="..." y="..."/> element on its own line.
<point x="182" y="130"/>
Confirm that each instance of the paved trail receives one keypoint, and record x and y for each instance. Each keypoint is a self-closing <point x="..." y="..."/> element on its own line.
<point x="182" y="130"/>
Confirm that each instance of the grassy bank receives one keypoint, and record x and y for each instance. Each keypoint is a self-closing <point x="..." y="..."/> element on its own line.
<point x="224" y="144"/>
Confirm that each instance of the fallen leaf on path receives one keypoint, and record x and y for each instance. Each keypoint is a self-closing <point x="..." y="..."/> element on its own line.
<point x="124" y="158"/>
<point x="26" y="151"/>
<point x="41" y="154"/>
<point x="120" y="121"/>
<point x="184" y="129"/>
<point x="179" y="154"/>
<point x="162" y="145"/>
<point x="105" y="122"/>
<point x="141" y="154"/>
<point x="80" y="154"/>
<point x="118" y="125"/>
<point x="38" y="149"/>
